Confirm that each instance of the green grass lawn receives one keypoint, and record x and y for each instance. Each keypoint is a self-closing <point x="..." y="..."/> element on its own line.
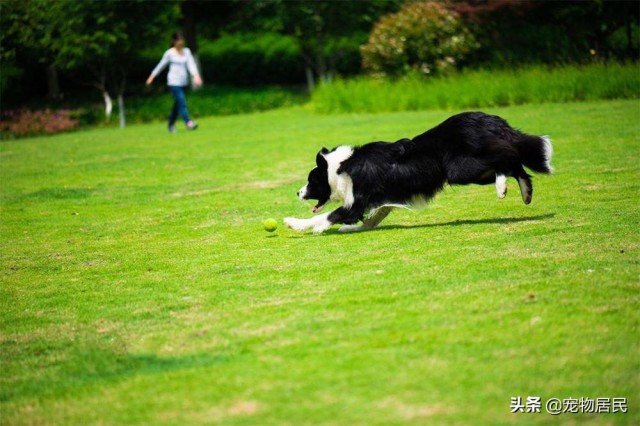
<point x="138" y="286"/>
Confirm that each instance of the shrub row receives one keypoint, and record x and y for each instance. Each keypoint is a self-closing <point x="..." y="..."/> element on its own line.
<point x="252" y="59"/>
<point x="213" y="100"/>
<point x="154" y="105"/>
<point x="484" y="88"/>
<point x="245" y="59"/>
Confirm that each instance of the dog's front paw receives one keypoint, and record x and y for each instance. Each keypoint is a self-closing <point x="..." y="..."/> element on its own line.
<point x="296" y="224"/>
<point x="321" y="227"/>
<point x="318" y="223"/>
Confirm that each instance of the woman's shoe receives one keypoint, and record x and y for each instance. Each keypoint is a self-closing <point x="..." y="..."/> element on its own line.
<point x="191" y="125"/>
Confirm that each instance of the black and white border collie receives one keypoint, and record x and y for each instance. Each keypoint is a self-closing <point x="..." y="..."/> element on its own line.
<point x="372" y="179"/>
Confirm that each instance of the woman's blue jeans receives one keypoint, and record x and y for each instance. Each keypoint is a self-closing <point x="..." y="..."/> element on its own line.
<point x="179" y="106"/>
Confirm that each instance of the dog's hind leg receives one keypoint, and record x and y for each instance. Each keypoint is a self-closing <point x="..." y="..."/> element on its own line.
<point x="377" y="216"/>
<point x="526" y="187"/>
<point x="501" y="185"/>
<point x="370" y="222"/>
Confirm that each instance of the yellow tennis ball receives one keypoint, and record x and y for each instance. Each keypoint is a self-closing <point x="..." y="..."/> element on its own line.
<point x="270" y="225"/>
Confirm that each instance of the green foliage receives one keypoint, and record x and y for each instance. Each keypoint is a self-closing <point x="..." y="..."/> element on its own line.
<point x="31" y="25"/>
<point x="139" y="288"/>
<point x="423" y="37"/>
<point x="58" y="32"/>
<point x="344" y="54"/>
<point x="517" y="33"/>
<point x="327" y="37"/>
<point x="10" y="74"/>
<point x="479" y="89"/>
<point x="86" y="40"/>
<point x="97" y="42"/>
<point x="251" y="59"/>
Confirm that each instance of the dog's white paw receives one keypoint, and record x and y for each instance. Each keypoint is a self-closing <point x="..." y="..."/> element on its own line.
<point x="296" y="224"/>
<point x="501" y="186"/>
<point x="321" y="227"/>
<point x="318" y="223"/>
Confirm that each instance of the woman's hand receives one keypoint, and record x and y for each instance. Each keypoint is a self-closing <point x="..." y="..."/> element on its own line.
<point x="197" y="80"/>
<point x="149" y="80"/>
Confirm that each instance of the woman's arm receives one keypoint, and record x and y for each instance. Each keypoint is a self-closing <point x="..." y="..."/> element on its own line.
<point x="193" y="69"/>
<point x="158" y="69"/>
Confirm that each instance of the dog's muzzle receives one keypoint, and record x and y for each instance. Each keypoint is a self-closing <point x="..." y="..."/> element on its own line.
<point x="302" y="193"/>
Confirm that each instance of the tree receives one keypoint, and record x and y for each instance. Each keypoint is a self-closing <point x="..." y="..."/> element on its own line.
<point x="97" y="39"/>
<point x="107" y="37"/>
<point x="189" y="12"/>
<point x="514" y="32"/>
<point x="325" y="31"/>
<point x="124" y="17"/>
<point x="30" y="29"/>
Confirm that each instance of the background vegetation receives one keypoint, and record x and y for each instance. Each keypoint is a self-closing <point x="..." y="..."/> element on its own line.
<point x="423" y="37"/>
<point x="70" y="55"/>
<point x="252" y="59"/>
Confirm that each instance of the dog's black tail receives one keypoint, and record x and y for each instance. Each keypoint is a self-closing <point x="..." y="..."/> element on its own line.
<point x="535" y="152"/>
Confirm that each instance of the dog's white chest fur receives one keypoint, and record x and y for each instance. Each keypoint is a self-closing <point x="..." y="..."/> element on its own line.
<point x="341" y="184"/>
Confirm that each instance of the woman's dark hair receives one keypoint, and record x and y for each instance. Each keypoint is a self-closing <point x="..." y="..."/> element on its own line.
<point x="175" y="37"/>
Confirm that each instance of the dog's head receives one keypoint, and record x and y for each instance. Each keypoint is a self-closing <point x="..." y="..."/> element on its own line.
<point x="317" y="187"/>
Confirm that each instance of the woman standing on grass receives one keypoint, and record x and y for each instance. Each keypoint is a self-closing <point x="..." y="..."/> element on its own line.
<point x="181" y="61"/>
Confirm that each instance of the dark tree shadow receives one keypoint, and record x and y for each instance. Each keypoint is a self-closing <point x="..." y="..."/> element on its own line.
<point x="94" y="363"/>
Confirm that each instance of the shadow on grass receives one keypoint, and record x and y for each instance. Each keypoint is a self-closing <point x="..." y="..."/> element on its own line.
<point x="492" y="221"/>
<point x="64" y="368"/>
<point x="61" y="193"/>
<point x="464" y="222"/>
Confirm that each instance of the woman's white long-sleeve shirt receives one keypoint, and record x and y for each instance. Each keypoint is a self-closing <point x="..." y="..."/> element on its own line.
<point x="178" y="66"/>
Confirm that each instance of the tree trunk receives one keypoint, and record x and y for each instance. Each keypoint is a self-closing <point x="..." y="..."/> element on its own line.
<point x="196" y="59"/>
<point x="53" y="83"/>
<point x="120" y="85"/>
<point x="108" y="105"/>
<point x="629" y="37"/>
<point x="123" y="121"/>
<point x="189" y="26"/>
<point x="321" y="63"/>
<point x="310" y="82"/>
<point x="188" y="8"/>
<point x="328" y="78"/>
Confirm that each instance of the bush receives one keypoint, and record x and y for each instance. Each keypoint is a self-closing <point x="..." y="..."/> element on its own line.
<point x="252" y="59"/>
<point x="422" y="37"/>
<point x="20" y="123"/>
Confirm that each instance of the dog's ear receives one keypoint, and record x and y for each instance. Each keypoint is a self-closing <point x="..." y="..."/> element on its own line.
<point x="320" y="161"/>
